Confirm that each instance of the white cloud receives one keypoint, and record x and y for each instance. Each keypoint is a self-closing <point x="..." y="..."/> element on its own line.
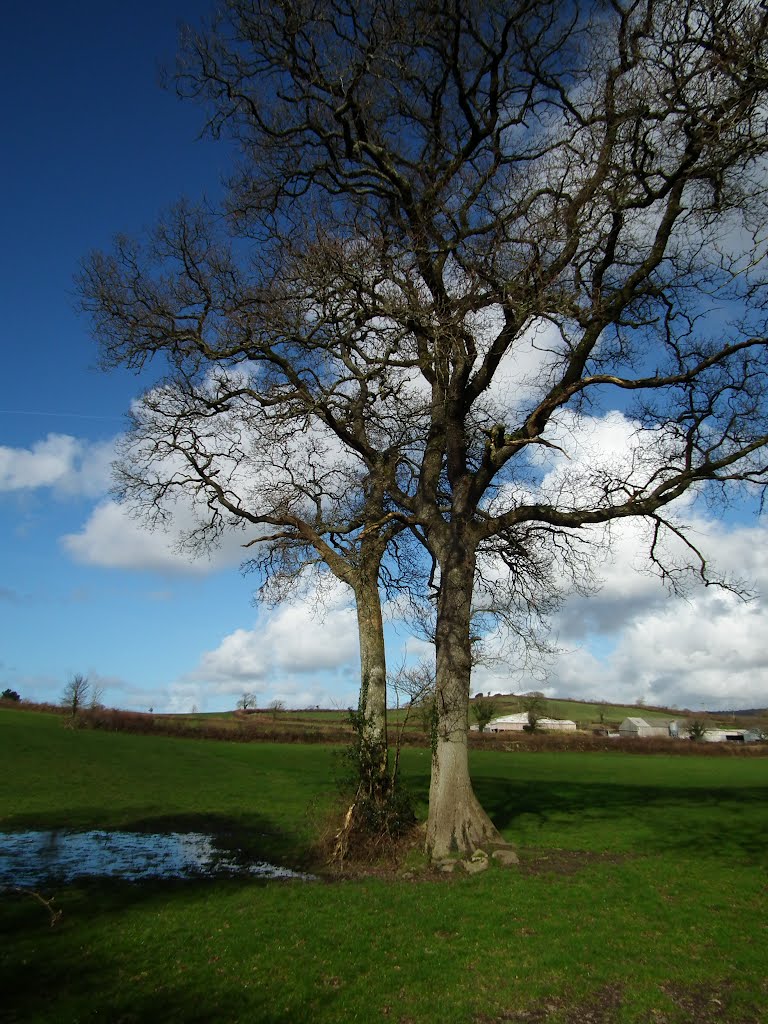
<point x="634" y="639"/>
<point x="256" y="458"/>
<point x="310" y="636"/>
<point x="629" y="639"/>
<point x="68" y="465"/>
<point x="706" y="653"/>
<point x="292" y="639"/>
<point x="113" y="539"/>
<point x="525" y="371"/>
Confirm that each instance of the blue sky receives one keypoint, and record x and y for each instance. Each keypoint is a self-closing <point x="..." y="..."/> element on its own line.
<point x="94" y="146"/>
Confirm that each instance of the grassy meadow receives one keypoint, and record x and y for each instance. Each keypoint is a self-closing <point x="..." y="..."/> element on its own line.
<point x="641" y="894"/>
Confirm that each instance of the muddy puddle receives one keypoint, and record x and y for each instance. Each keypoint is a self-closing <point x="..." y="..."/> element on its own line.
<point x="28" y="859"/>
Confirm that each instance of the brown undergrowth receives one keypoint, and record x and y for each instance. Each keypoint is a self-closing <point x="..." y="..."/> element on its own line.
<point x="583" y="742"/>
<point x="265" y="729"/>
<point x="366" y="852"/>
<point x="261" y="728"/>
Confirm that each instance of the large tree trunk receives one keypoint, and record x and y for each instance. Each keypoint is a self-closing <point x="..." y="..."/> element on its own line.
<point x="373" y="685"/>
<point x="457" y="824"/>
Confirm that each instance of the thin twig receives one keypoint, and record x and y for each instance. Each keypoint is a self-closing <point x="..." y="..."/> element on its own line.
<point x="55" y="915"/>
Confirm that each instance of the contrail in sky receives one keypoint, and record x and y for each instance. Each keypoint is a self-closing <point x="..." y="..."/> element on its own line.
<point x="64" y="415"/>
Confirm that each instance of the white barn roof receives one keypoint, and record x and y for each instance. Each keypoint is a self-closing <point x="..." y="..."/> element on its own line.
<point x="520" y="720"/>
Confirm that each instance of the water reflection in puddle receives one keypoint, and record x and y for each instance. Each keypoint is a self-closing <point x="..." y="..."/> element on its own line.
<point x="30" y="858"/>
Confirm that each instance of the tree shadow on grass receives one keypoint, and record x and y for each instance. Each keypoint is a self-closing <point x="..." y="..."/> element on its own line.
<point x="91" y="966"/>
<point x="726" y="822"/>
<point x="73" y="973"/>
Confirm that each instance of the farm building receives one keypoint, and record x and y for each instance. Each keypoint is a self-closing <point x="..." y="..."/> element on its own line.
<point x="640" y="728"/>
<point x="518" y="722"/>
<point x="726" y="736"/>
<point x="679" y="730"/>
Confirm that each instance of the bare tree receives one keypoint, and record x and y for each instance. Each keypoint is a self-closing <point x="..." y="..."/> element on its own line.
<point x="415" y="686"/>
<point x="247" y="702"/>
<point x="77" y="695"/>
<point x="276" y="708"/>
<point x="245" y="457"/>
<point x="474" y="229"/>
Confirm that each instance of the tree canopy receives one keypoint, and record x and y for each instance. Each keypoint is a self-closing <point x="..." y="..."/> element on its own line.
<point x="456" y="236"/>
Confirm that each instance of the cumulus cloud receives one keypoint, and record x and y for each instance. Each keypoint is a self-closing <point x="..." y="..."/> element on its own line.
<point x="706" y="653"/>
<point x="625" y="589"/>
<point x="525" y="371"/>
<point x="114" y="539"/>
<point x="633" y="639"/>
<point x="69" y="466"/>
<point x="256" y="458"/>
<point x="190" y="538"/>
<point x="300" y="652"/>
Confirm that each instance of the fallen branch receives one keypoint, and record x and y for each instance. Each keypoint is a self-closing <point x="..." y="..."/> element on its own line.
<point x="54" y="915"/>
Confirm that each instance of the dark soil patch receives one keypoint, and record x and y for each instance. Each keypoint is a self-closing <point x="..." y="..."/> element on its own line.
<point x="564" y="862"/>
<point x="602" y="1008"/>
<point x="391" y="863"/>
<point x="712" y="1005"/>
<point x="715" y="1004"/>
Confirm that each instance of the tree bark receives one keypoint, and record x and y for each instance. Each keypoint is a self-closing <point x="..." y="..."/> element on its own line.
<point x="457" y="824"/>
<point x="373" y="685"/>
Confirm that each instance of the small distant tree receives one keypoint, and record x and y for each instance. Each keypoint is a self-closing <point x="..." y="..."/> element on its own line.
<point x="423" y="696"/>
<point x="535" y="705"/>
<point x="415" y="688"/>
<point x="483" y="708"/>
<point x="77" y="695"/>
<point x="247" y="702"/>
<point x="415" y="685"/>
<point x="276" y="707"/>
<point x="9" y="694"/>
<point x="696" y="730"/>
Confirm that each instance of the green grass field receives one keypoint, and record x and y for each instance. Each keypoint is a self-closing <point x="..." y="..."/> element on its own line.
<point x="641" y="895"/>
